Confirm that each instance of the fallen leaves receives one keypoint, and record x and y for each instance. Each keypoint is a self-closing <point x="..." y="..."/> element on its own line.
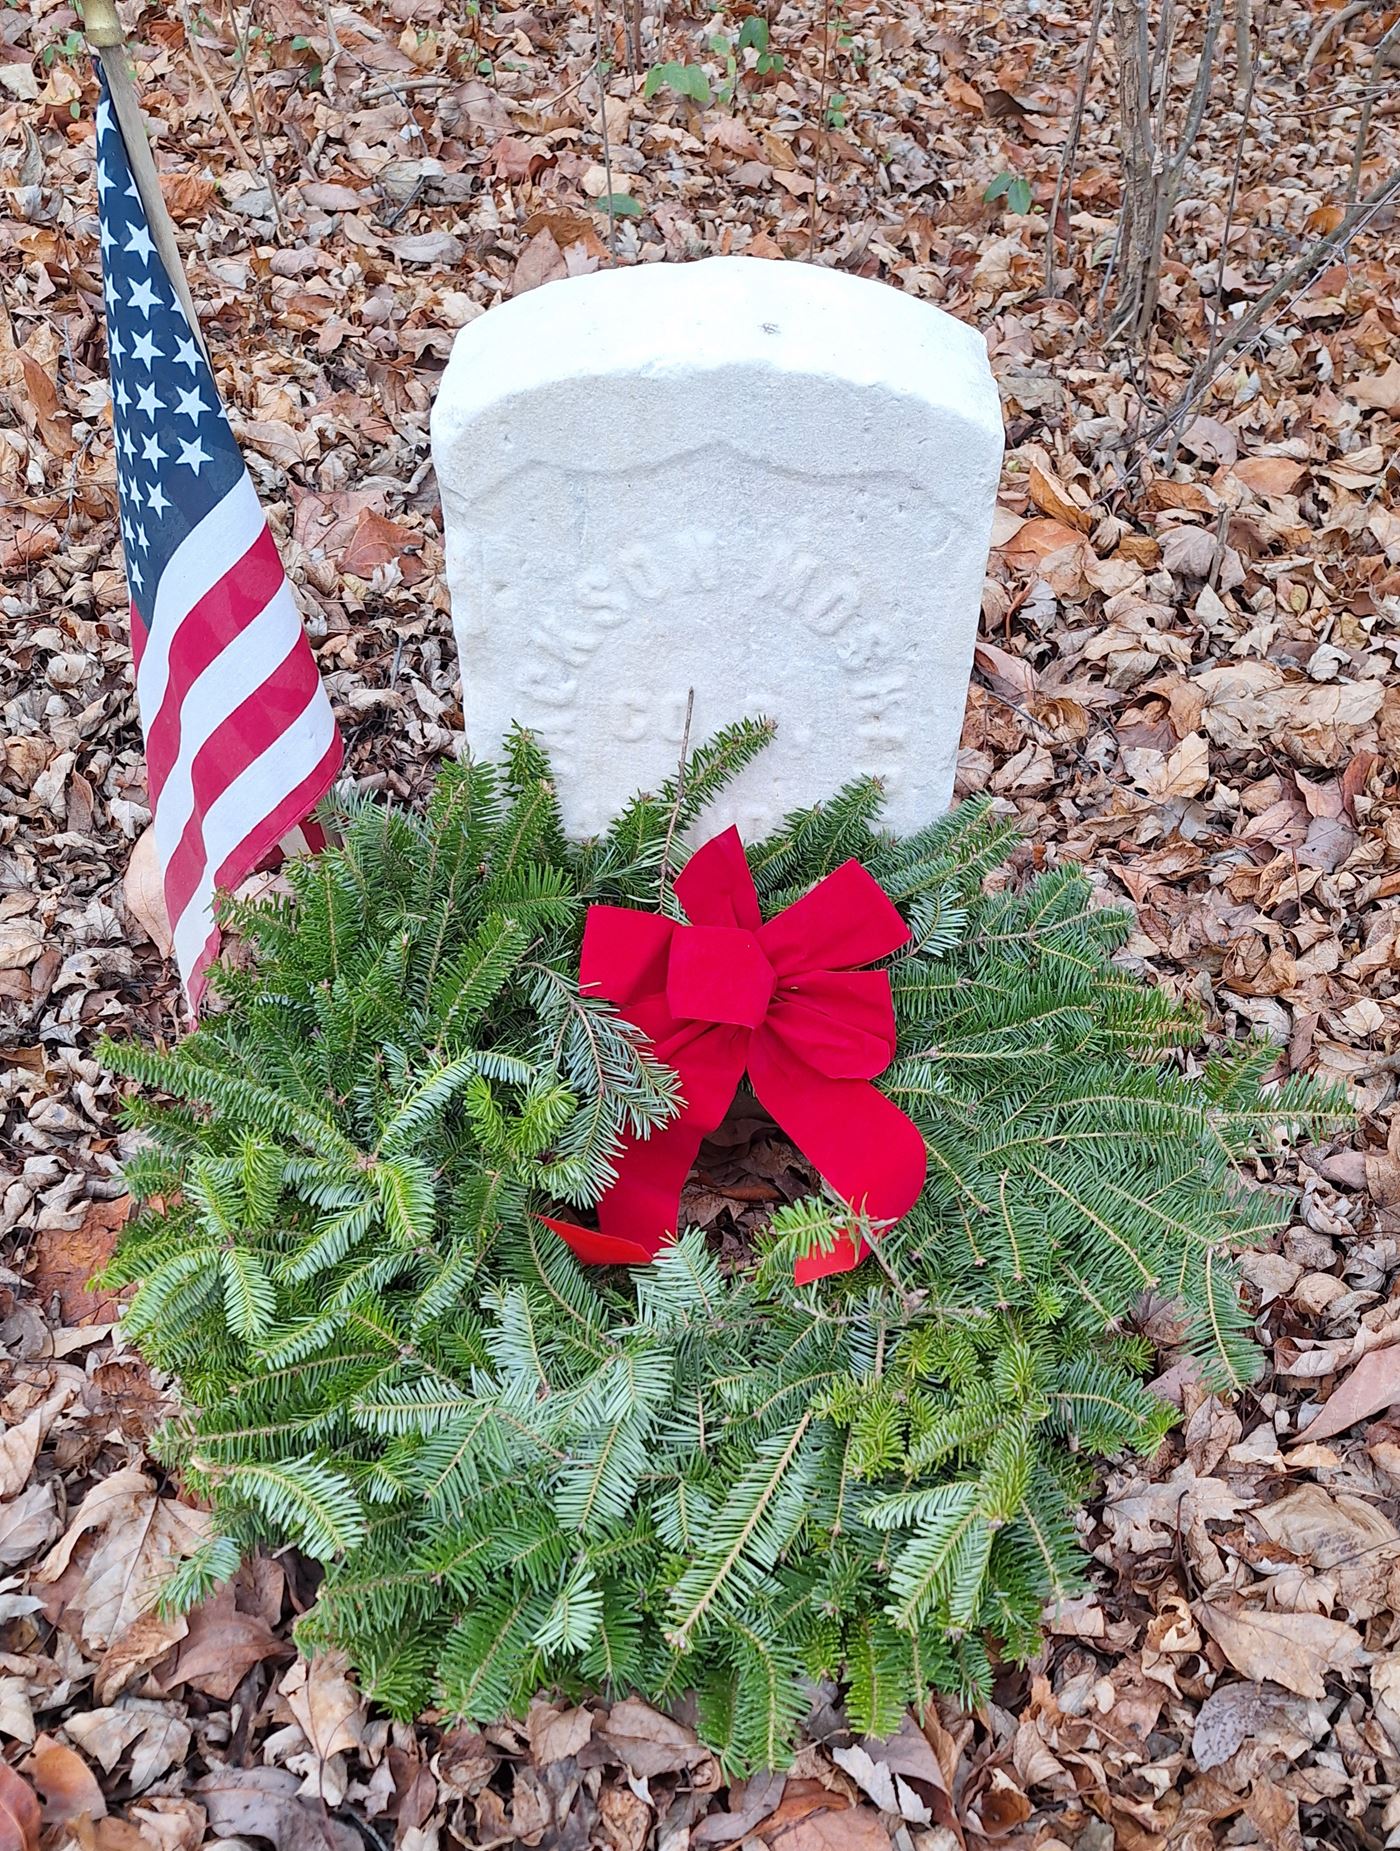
<point x="105" y="1575"/>
<point x="1298" y="1650"/>
<point x="143" y="890"/>
<point x="20" y="1814"/>
<point x="68" y="1785"/>
<point x="1373" y="1385"/>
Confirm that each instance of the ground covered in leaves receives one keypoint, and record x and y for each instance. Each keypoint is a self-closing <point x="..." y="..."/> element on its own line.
<point x="1186" y="682"/>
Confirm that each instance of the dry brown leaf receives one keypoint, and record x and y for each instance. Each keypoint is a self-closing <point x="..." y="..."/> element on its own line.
<point x="556" y="1734"/>
<point x="21" y="1818"/>
<point x="187" y="196"/>
<point x="1038" y="539"/>
<point x="28" y="1523"/>
<point x="262" y="1802"/>
<point x="813" y="1818"/>
<point x="541" y="261"/>
<point x="513" y="158"/>
<point x="1184" y="772"/>
<point x="648" y="1743"/>
<point x="107" y="1571"/>
<point x="750" y="1803"/>
<point x="964" y="95"/>
<point x="1254" y="967"/>
<point x="1051" y="497"/>
<point x="65" y="1260"/>
<point x="625" y="1817"/>
<point x="1297" y="1650"/>
<point x="1268" y="475"/>
<point x="143" y="890"/>
<point x="326" y="1705"/>
<point x="1234" y="1714"/>
<point x="54" y="425"/>
<point x="375" y="541"/>
<point x="438" y="249"/>
<point x="157" y="1733"/>
<point x="221" y="1646"/>
<point x="1372" y="1385"/>
<point x="1350" y="1540"/>
<point x="1381" y="391"/>
<point x="67" y="1783"/>
<point x="1251" y="702"/>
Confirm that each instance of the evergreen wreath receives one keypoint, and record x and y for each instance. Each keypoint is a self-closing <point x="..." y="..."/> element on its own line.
<point x="520" y="1473"/>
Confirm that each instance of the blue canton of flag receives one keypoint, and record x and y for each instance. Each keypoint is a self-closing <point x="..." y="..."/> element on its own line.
<point x="240" y="741"/>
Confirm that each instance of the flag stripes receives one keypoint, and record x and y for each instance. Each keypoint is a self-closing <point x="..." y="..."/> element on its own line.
<point x="241" y="744"/>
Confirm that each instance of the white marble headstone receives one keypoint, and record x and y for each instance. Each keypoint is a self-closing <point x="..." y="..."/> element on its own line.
<point x="765" y="481"/>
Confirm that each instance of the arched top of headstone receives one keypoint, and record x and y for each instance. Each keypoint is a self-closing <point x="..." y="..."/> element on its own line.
<point x="766" y="481"/>
<point x="824" y="342"/>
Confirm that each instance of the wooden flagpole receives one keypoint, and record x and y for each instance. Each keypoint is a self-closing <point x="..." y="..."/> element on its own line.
<point x="103" y="31"/>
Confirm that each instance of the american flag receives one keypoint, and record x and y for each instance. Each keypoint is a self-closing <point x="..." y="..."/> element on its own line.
<point x="240" y="741"/>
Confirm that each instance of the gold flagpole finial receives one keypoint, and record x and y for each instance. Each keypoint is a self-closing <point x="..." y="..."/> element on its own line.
<point x="101" y="27"/>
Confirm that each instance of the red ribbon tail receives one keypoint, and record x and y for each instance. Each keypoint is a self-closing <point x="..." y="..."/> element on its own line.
<point x="868" y="1151"/>
<point x="596" y="1249"/>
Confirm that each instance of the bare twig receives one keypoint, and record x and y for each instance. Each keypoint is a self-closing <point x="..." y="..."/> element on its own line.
<point x="1135" y="119"/>
<point x="431" y="80"/>
<point x="1334" y="22"/>
<point x="1363" y="127"/>
<point x="680" y="793"/>
<point x="202" y="71"/>
<point x="334" y="48"/>
<point x="1245" y="60"/>
<point x="603" y="124"/>
<point x="1064" y="178"/>
<point x="820" y="142"/>
<point x="254" y="109"/>
<point x="1244" y="332"/>
<point x="1152" y="182"/>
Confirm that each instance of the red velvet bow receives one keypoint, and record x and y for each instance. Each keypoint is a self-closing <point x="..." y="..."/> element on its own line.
<point x="783" y="1000"/>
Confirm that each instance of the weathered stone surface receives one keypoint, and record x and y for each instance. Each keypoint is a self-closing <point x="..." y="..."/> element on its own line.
<point x="765" y="481"/>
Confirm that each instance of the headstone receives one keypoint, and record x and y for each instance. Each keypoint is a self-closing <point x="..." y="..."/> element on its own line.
<point x="765" y="481"/>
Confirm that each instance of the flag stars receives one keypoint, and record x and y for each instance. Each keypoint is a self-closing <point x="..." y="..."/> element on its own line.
<point x="147" y="403"/>
<point x="105" y="182"/>
<point x="145" y="349"/>
<point x="194" y="454"/>
<point x="133" y="572"/>
<point x="151" y="450"/>
<point x="141" y="537"/>
<point x="120" y="396"/>
<point x="156" y="499"/>
<point x="191" y="405"/>
<point x="187" y="354"/>
<point x="116" y="347"/>
<point x="128" y="448"/>
<point x="105" y="239"/>
<point x="143" y="297"/>
<point x="140" y="244"/>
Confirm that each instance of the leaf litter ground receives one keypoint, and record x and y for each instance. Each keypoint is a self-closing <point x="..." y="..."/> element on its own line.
<point x="1186" y="681"/>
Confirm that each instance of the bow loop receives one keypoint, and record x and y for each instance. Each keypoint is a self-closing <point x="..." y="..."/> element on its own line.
<point x="715" y="886"/>
<point x="840" y="1022"/>
<point x="847" y="919"/>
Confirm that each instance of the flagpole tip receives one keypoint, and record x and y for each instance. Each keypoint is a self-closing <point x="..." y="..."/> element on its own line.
<point x="101" y="27"/>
